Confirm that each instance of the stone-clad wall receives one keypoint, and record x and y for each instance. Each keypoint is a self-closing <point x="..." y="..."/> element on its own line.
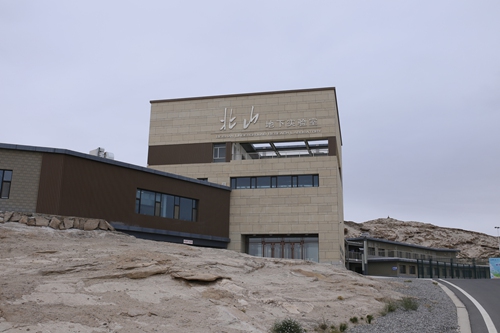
<point x="55" y="222"/>
<point x="26" y="166"/>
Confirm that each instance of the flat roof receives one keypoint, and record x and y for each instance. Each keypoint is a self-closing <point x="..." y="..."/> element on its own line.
<point x="108" y="161"/>
<point x="362" y="238"/>
<point x="243" y="94"/>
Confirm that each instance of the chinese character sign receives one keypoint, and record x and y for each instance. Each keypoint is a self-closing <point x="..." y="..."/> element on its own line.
<point x="229" y="121"/>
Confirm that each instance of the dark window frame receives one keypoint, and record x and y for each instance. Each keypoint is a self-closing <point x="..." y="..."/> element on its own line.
<point x="5" y="183"/>
<point x="219" y="152"/>
<point x="181" y="208"/>
<point x="281" y="181"/>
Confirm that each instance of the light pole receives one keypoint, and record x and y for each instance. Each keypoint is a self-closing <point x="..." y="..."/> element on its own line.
<point x="498" y="237"/>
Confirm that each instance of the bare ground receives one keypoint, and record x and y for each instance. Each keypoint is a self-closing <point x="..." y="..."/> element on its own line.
<point x="100" y="281"/>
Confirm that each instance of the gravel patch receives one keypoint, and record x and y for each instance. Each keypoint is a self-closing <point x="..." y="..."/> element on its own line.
<point x="436" y="312"/>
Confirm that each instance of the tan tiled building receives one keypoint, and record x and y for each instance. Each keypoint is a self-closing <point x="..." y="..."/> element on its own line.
<point x="281" y="154"/>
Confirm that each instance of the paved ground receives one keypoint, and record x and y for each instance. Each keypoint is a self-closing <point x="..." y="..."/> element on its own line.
<point x="487" y="293"/>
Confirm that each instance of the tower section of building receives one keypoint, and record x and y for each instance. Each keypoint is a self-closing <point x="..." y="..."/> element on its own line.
<point x="280" y="152"/>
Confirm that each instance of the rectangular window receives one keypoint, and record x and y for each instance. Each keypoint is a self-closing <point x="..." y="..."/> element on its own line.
<point x="371" y="251"/>
<point x="381" y="252"/>
<point x="412" y="269"/>
<point x="284" y="181"/>
<point x="263" y="182"/>
<point x="5" y="182"/>
<point x="402" y="269"/>
<point x="166" y="205"/>
<point x="275" y="181"/>
<point x="220" y="152"/>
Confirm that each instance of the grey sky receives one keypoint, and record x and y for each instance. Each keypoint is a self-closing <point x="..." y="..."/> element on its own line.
<point x="418" y="85"/>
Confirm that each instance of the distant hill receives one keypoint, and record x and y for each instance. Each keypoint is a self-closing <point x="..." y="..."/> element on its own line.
<point x="470" y="243"/>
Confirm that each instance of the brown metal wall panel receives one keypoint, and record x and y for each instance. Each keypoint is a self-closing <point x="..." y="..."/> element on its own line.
<point x="90" y="188"/>
<point x="332" y="146"/>
<point x="49" y="189"/>
<point x="229" y="151"/>
<point x="180" y="154"/>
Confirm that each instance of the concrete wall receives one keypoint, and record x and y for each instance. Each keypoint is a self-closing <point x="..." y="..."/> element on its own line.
<point x="26" y="168"/>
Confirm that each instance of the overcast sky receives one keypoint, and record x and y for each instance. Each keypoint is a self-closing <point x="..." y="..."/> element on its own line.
<point x="418" y="86"/>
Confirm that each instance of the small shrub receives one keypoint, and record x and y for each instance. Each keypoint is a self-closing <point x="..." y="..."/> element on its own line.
<point x="343" y="327"/>
<point x="354" y="320"/>
<point x="369" y="319"/>
<point x="322" y="326"/>
<point x="340" y="298"/>
<point x="434" y="283"/>
<point x="409" y="303"/>
<point x="287" y="325"/>
<point x="391" y="306"/>
<point x="408" y="281"/>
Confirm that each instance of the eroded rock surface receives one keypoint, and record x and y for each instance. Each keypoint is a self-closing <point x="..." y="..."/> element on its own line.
<point x="100" y="281"/>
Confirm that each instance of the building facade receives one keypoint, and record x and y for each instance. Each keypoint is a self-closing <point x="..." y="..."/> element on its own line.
<point x="280" y="152"/>
<point x="137" y="200"/>
<point x="381" y="257"/>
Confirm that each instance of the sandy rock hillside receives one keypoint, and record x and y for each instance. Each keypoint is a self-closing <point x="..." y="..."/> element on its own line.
<point x="470" y="243"/>
<point x="103" y="281"/>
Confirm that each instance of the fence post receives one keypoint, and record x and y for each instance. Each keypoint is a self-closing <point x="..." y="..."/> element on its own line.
<point x="451" y="268"/>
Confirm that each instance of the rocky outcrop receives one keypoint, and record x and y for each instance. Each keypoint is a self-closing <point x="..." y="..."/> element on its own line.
<point x="55" y="222"/>
<point x="470" y="243"/>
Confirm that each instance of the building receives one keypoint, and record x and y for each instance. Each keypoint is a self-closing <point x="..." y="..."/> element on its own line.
<point x="396" y="259"/>
<point x="280" y="152"/>
<point x="137" y="200"/>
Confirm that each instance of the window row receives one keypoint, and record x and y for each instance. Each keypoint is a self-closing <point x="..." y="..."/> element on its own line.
<point x="5" y="181"/>
<point x="399" y="254"/>
<point x="305" y="248"/>
<point x="165" y="205"/>
<point x="275" y="181"/>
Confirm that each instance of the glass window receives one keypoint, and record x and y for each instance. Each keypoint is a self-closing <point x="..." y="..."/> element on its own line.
<point x="147" y="203"/>
<point x="263" y="182"/>
<point x="402" y="269"/>
<point x="275" y="181"/>
<point x="220" y="152"/>
<point x="255" y="247"/>
<point x="305" y="248"/>
<point x="243" y="182"/>
<point x="284" y="181"/>
<point x="186" y="209"/>
<point x="311" y="249"/>
<point x="412" y="269"/>
<point x="5" y="182"/>
<point x="166" y="205"/>
<point x="381" y="252"/>
<point x="305" y="181"/>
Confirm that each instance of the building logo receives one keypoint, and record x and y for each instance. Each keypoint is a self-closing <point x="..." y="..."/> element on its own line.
<point x="284" y="126"/>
